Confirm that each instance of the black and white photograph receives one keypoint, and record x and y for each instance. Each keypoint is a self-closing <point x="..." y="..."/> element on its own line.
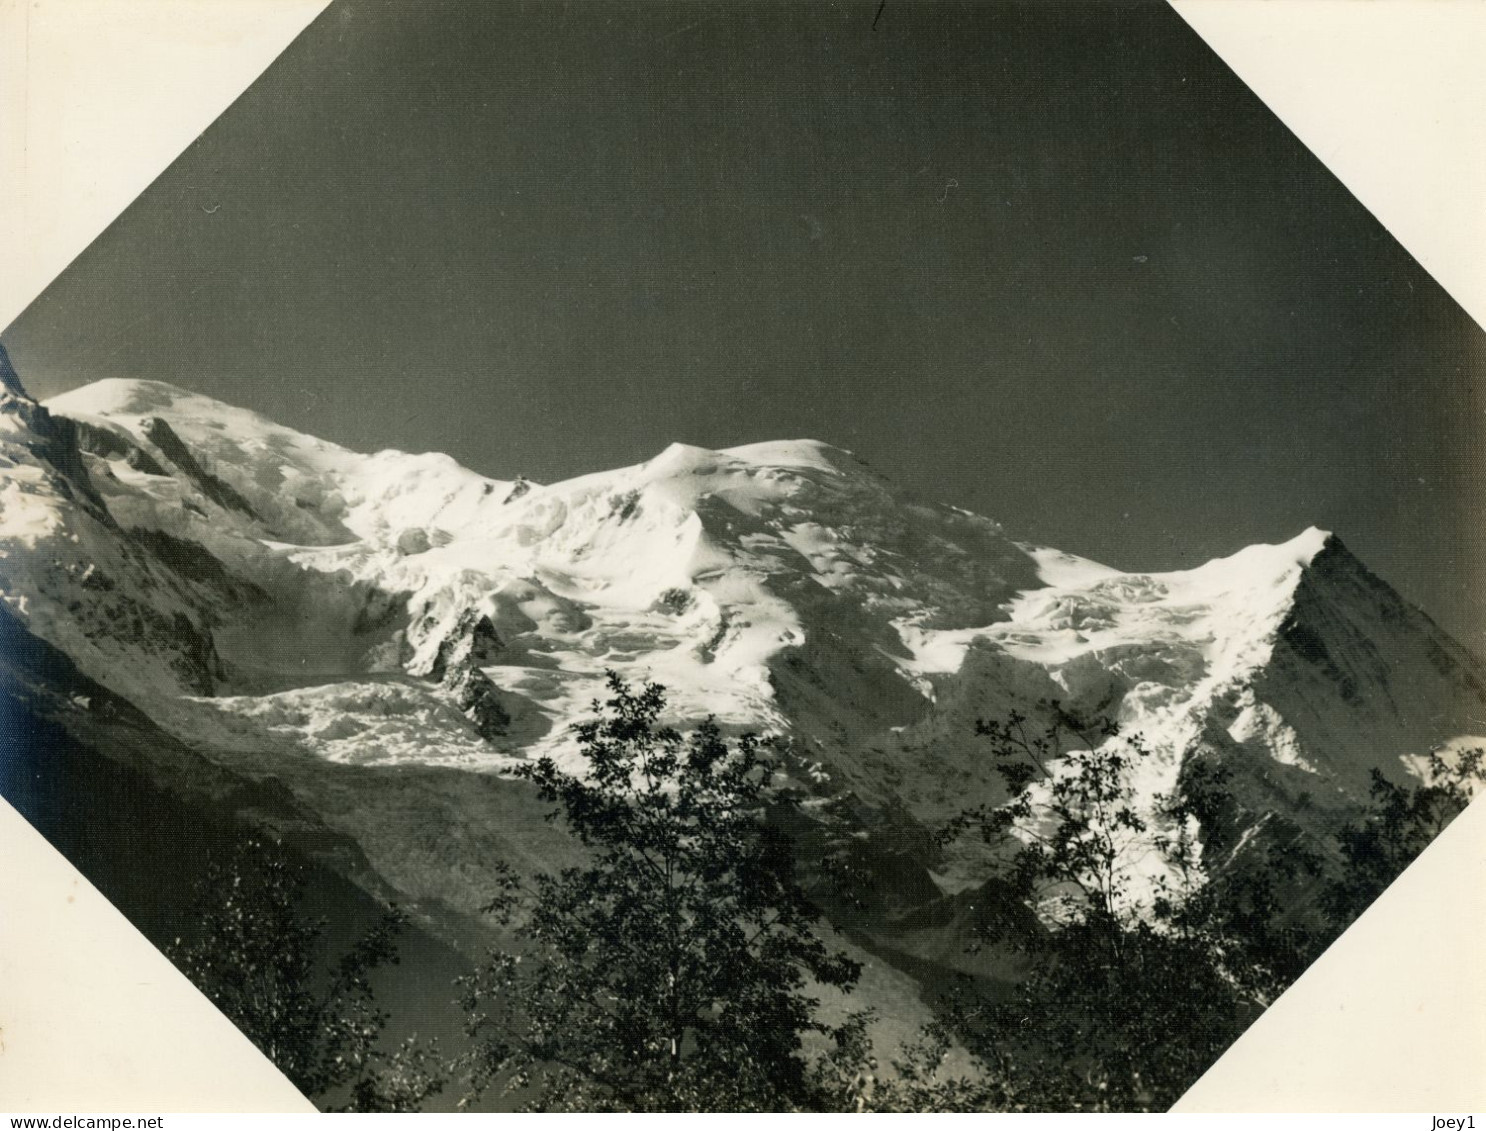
<point x="698" y="556"/>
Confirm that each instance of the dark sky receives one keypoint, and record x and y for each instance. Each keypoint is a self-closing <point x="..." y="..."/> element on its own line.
<point x="1052" y="262"/>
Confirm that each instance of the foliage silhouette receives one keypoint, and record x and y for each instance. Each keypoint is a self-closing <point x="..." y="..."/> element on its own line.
<point x="672" y="970"/>
<point x="1125" y="1005"/>
<point x="262" y="962"/>
<point x="1400" y="823"/>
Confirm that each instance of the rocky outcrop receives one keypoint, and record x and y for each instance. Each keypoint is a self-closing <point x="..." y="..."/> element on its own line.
<point x="197" y="663"/>
<point x="51" y="440"/>
<point x="194" y="562"/>
<point x="1361" y="677"/>
<point x="109" y="444"/>
<point x="472" y="644"/>
<point x="172" y="447"/>
<point x="125" y="605"/>
<point x="479" y="699"/>
<point x="10" y="381"/>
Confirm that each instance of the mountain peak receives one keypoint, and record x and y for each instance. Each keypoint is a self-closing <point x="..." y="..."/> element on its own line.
<point x="1311" y="542"/>
<point x="123" y="396"/>
<point x="681" y="459"/>
<point x="1275" y="560"/>
<point x="796" y="453"/>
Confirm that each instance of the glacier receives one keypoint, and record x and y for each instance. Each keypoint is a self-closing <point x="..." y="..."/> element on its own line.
<point x="384" y="637"/>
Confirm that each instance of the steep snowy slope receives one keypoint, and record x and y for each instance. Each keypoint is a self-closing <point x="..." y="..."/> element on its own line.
<point x="274" y="483"/>
<point x="394" y="610"/>
<point x="698" y="568"/>
<point x="80" y="580"/>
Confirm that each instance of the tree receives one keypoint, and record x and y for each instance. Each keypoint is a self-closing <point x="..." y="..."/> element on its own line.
<point x="1071" y="813"/>
<point x="262" y="963"/>
<point x="1123" y="1005"/>
<point x="1257" y="919"/>
<point x="1265" y="919"/>
<point x="1399" y="823"/>
<point x="671" y="970"/>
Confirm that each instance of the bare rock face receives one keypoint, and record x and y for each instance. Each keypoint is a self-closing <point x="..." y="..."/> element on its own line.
<point x="472" y="644"/>
<point x="478" y="698"/>
<point x="88" y="586"/>
<point x="52" y="441"/>
<point x="10" y="381"/>
<point x="412" y="541"/>
<point x="173" y="448"/>
<point x="199" y="665"/>
<point x="112" y="445"/>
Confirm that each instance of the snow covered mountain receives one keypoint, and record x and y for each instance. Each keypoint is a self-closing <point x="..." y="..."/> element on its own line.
<point x="385" y="634"/>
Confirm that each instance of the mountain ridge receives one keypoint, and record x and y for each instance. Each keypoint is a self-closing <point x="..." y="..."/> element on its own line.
<point x="268" y="597"/>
